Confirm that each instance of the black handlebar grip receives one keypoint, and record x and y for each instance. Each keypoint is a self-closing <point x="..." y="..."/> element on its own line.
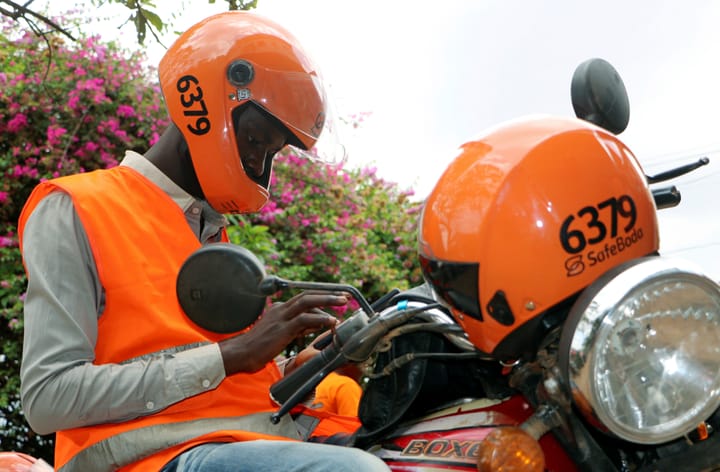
<point x="323" y="343"/>
<point x="284" y="388"/>
<point x="666" y="197"/>
<point x="344" y="330"/>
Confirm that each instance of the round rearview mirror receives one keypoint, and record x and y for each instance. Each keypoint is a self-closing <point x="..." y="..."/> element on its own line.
<point x="598" y="95"/>
<point x="217" y="287"/>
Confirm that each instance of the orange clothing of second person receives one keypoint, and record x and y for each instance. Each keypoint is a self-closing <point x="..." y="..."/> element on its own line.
<point x="338" y="394"/>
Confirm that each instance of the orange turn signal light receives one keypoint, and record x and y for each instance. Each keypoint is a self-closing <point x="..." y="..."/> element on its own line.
<point x="510" y="449"/>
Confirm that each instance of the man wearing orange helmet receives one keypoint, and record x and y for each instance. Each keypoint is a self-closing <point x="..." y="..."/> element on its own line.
<point x="110" y="361"/>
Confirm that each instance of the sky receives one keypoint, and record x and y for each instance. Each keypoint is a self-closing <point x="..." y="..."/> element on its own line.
<point x="429" y="76"/>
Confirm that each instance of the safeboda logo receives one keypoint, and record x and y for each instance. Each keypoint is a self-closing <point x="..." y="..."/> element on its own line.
<point x="597" y="233"/>
<point x="576" y="265"/>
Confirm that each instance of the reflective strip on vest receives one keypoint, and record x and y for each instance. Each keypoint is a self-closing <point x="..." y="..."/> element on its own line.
<point x="118" y="451"/>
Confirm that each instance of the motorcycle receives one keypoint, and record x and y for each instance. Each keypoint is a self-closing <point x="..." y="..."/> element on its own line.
<point x="623" y="377"/>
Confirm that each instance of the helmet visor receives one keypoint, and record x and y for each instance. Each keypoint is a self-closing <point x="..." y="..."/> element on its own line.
<point x="455" y="282"/>
<point x="297" y="99"/>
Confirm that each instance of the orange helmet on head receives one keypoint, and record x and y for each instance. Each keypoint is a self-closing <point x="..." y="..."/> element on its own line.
<point x="220" y="64"/>
<point x="523" y="219"/>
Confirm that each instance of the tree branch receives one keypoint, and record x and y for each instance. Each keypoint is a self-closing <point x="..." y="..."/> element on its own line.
<point x="20" y="11"/>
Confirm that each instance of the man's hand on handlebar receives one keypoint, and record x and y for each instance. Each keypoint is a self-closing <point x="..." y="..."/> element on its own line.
<point x="276" y="328"/>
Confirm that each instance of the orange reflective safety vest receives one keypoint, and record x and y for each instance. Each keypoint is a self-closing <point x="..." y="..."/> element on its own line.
<point x="139" y="238"/>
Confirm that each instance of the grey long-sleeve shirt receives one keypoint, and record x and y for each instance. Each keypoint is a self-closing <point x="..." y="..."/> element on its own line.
<point x="61" y="387"/>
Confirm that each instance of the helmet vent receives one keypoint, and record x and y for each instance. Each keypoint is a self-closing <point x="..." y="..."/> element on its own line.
<point x="240" y="73"/>
<point x="499" y="309"/>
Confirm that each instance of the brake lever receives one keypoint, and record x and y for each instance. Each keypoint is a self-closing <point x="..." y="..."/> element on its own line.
<point x="677" y="172"/>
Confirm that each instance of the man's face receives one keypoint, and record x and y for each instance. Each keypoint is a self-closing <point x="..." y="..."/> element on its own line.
<point x="258" y="138"/>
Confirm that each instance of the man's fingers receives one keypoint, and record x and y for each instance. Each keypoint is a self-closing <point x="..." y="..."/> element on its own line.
<point x="306" y="301"/>
<point x="311" y="321"/>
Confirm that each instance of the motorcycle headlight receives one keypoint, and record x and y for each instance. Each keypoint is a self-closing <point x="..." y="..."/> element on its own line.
<point x="640" y="350"/>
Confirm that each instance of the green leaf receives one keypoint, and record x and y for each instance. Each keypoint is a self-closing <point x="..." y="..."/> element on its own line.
<point x="154" y="19"/>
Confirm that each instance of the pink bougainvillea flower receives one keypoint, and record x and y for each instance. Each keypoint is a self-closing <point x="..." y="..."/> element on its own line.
<point x="7" y="242"/>
<point x="54" y="134"/>
<point x="73" y="101"/>
<point x="17" y="123"/>
<point x="126" y="111"/>
<point x="154" y="138"/>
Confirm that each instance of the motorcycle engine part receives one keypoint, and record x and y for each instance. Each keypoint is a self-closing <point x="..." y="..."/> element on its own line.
<point x="525" y="217"/>
<point x="217" y="288"/>
<point x="599" y="96"/>
<point x="640" y="350"/>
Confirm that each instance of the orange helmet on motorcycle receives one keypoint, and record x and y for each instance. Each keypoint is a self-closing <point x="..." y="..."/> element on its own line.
<point x="524" y="218"/>
<point x="220" y="64"/>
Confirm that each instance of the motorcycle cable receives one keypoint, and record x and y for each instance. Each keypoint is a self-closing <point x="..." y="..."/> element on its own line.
<point x="386" y="341"/>
<point x="411" y="356"/>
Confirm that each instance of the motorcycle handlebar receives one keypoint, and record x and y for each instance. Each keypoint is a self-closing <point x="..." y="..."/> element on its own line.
<point x="293" y="388"/>
<point x="666" y="197"/>
<point x="351" y="325"/>
<point x="360" y="338"/>
<point x="329" y="347"/>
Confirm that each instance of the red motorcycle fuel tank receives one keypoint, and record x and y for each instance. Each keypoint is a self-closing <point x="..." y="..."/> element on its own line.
<point x="449" y="439"/>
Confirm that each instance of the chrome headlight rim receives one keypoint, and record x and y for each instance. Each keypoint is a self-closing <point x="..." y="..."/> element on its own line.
<point x="587" y="327"/>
